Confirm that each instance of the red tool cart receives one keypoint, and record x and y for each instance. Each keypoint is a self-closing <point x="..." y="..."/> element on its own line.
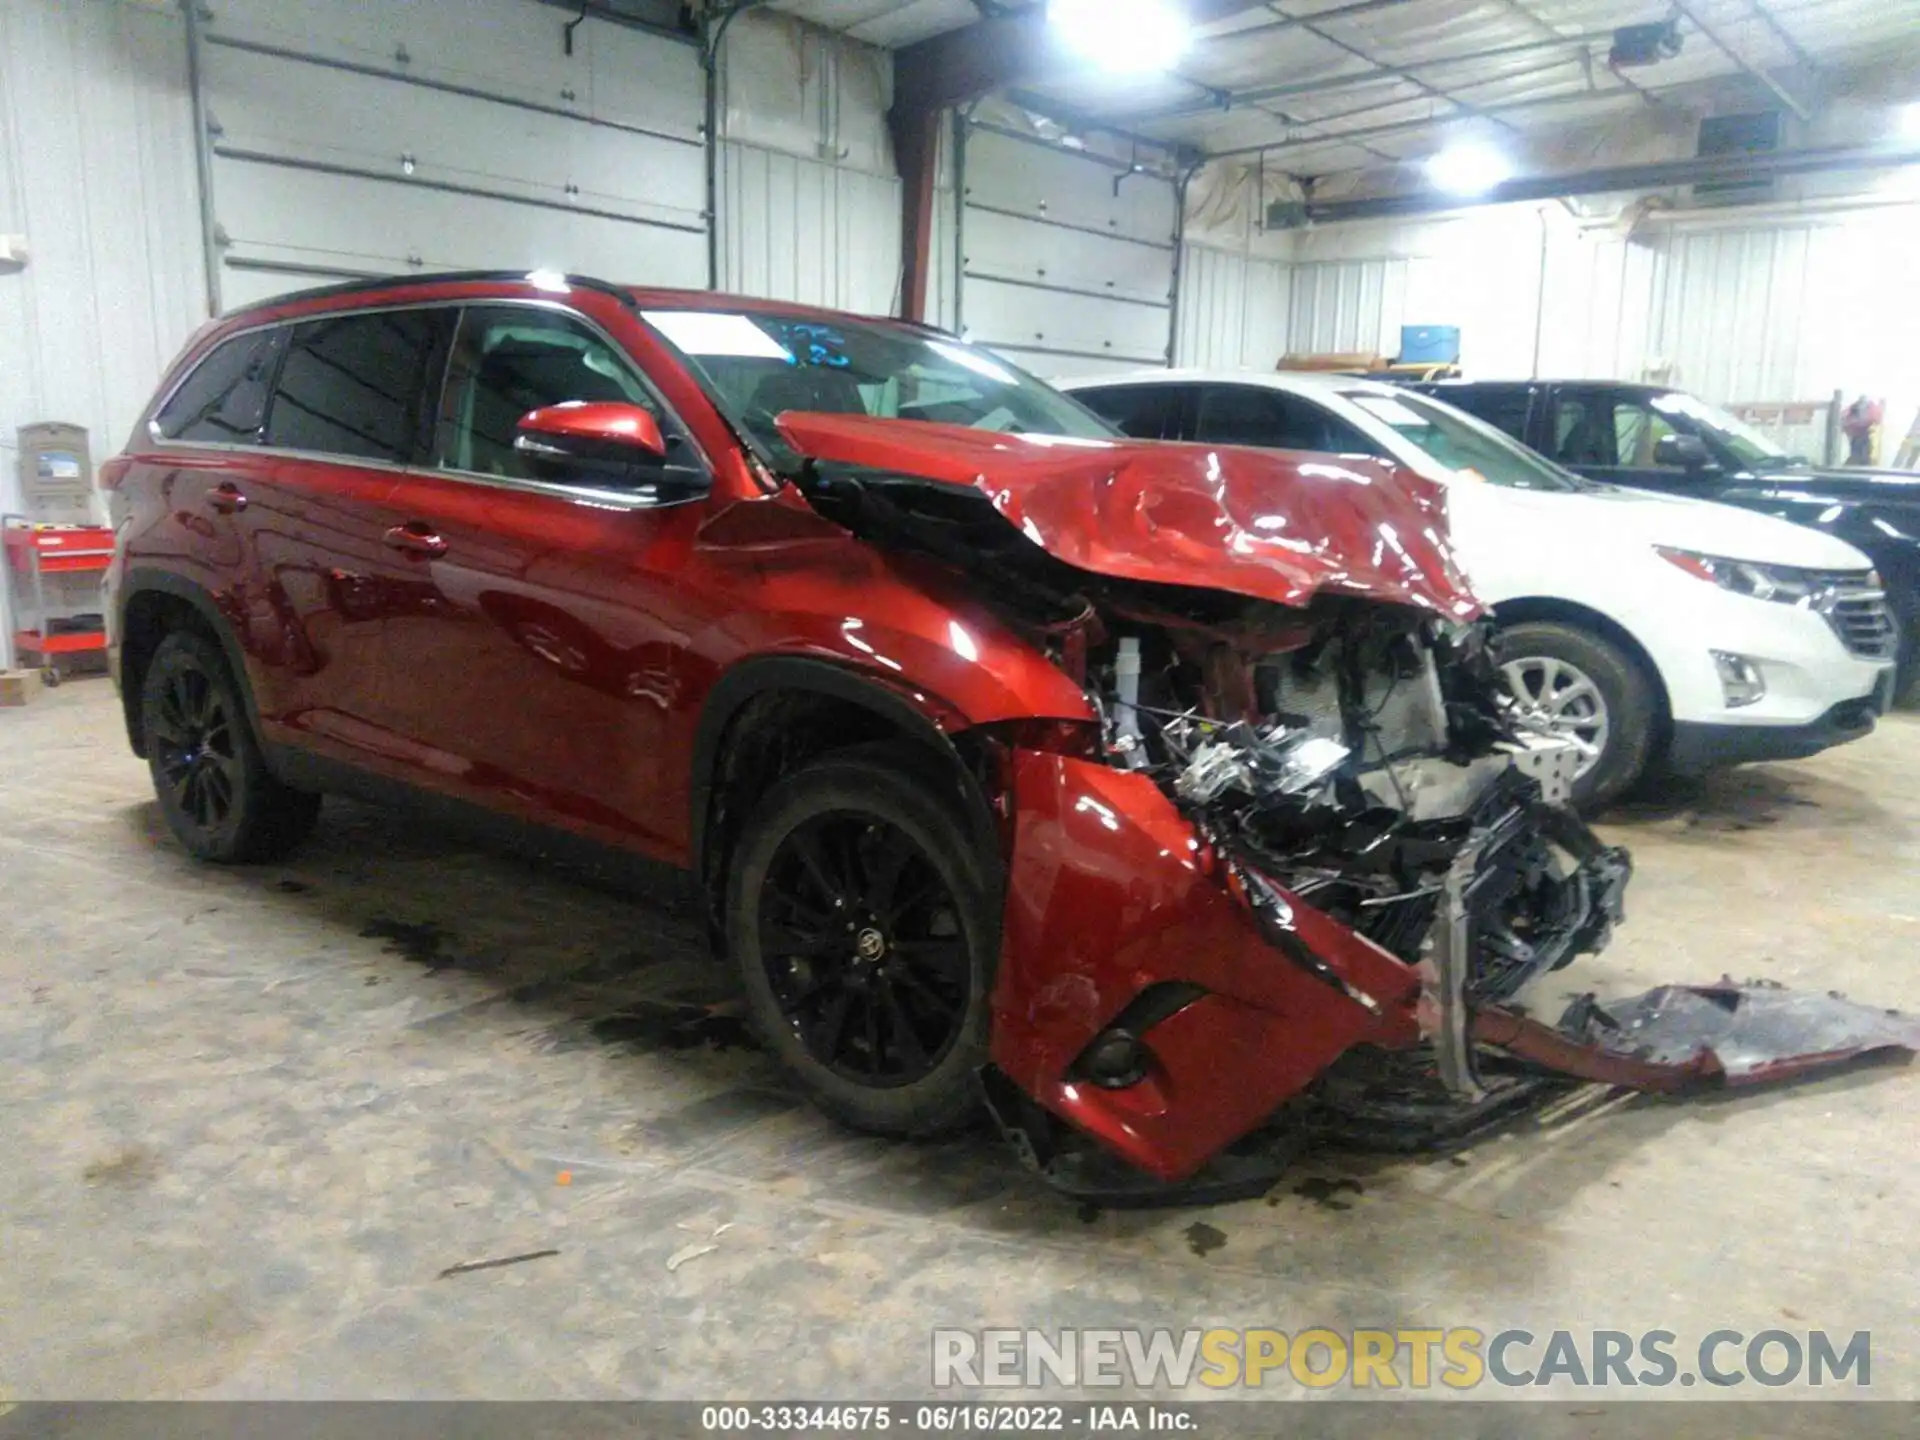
<point x="36" y="553"/>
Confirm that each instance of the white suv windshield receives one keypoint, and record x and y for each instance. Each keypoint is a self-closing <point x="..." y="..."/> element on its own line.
<point x="762" y="364"/>
<point x="1460" y="442"/>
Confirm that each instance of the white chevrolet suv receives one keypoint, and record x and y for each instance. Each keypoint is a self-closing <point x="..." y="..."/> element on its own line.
<point x="1656" y="632"/>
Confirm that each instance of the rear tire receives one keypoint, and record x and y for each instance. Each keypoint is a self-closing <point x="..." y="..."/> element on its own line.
<point x="1592" y="688"/>
<point x="220" y="800"/>
<point x="866" y="930"/>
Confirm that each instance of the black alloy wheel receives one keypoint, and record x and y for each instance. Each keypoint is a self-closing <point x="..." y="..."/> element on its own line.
<point x="192" y="733"/>
<point x="219" y="798"/>
<point x="865" y="921"/>
<point x="863" y="949"/>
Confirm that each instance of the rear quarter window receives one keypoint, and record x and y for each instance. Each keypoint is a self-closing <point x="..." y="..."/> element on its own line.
<point x="223" y="400"/>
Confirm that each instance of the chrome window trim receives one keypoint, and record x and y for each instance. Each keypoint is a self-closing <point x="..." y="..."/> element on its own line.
<point x="582" y="494"/>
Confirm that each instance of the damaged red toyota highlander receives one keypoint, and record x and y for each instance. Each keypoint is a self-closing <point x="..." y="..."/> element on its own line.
<point x="1141" y="789"/>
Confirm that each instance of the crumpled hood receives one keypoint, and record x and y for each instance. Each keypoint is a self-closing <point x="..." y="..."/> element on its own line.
<point x="1271" y="525"/>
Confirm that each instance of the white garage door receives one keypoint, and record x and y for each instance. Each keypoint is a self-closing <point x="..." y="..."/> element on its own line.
<point x="389" y="137"/>
<point x="1065" y="271"/>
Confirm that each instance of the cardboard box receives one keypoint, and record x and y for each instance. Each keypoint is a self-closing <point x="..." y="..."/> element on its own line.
<point x="17" y="687"/>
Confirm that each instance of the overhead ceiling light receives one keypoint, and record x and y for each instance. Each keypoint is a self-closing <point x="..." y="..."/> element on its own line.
<point x="1910" y="120"/>
<point x="1127" y="37"/>
<point x="1468" y="169"/>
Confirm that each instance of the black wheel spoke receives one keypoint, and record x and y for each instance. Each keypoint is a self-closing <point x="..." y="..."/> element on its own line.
<point x="877" y="1006"/>
<point x="220" y="787"/>
<point x="940" y="1005"/>
<point x="802" y="991"/>
<point x="900" y="1025"/>
<point x="883" y="878"/>
<point x="785" y="941"/>
<point x="872" y="1026"/>
<point x="926" y="888"/>
<point x="813" y="860"/>
<point x="946" y="955"/>
<point x="832" y="1024"/>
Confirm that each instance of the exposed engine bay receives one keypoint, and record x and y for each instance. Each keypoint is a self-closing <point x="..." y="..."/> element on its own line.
<point x="1375" y="768"/>
<point x="1359" y="850"/>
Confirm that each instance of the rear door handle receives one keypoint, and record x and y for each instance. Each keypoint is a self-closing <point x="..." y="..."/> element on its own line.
<point x="227" y="497"/>
<point x="416" y="537"/>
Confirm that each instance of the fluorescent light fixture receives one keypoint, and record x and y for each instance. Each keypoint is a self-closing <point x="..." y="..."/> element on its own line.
<point x="553" y="282"/>
<point x="1468" y="169"/>
<point x="1910" y="120"/>
<point x="707" y="332"/>
<point x="1126" y="37"/>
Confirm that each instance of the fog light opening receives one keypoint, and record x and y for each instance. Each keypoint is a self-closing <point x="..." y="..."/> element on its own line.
<point x="1115" y="1060"/>
<point x="1741" y="682"/>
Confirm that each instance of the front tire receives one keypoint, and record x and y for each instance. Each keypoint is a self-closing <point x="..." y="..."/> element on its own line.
<point x="1591" y="691"/>
<point x="863" y="922"/>
<point x="219" y="798"/>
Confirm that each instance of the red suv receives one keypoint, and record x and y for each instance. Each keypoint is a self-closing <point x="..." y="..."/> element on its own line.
<point x="1135" y="788"/>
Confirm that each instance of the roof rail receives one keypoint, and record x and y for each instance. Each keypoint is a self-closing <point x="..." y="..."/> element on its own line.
<point x="388" y="282"/>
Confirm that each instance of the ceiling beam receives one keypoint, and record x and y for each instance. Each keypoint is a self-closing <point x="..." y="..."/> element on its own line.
<point x="1655" y="175"/>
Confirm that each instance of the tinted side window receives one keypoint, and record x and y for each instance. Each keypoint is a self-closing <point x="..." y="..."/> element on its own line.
<point x="1503" y="407"/>
<point x="1273" y="420"/>
<point x="1583" y="431"/>
<point x="224" y="400"/>
<point x="1637" y="429"/>
<point x="353" y="384"/>
<point x="509" y="360"/>
<point x="1146" y="412"/>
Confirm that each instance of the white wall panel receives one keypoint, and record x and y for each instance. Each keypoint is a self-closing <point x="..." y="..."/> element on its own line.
<point x="1733" y="317"/>
<point x="301" y="227"/>
<point x="1233" y="310"/>
<point x="797" y="229"/>
<point x="505" y="48"/>
<point x="1346" y="306"/>
<point x="393" y="136"/>
<point x="809" y="197"/>
<point x="97" y="173"/>
<point x="1059" y="260"/>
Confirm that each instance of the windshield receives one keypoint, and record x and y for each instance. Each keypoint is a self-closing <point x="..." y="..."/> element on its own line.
<point x="1739" y="439"/>
<point x="762" y="364"/>
<point x="1460" y="442"/>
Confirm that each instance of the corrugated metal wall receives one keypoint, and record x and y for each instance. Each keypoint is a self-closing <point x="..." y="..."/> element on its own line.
<point x="1233" y="310"/>
<point x="809" y="196"/>
<point x="1346" y="306"/>
<point x="800" y="230"/>
<point x="97" y="173"/>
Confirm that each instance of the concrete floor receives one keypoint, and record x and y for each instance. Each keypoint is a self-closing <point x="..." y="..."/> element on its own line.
<point x="250" y="1116"/>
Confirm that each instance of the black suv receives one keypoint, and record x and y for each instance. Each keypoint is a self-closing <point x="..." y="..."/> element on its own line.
<point x="1655" y="438"/>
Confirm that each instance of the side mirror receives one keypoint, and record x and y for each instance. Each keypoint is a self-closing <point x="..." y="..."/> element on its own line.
<point x="609" y="443"/>
<point x="1682" y="452"/>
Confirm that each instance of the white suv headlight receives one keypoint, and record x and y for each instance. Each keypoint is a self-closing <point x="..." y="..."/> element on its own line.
<point x="1784" y="583"/>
